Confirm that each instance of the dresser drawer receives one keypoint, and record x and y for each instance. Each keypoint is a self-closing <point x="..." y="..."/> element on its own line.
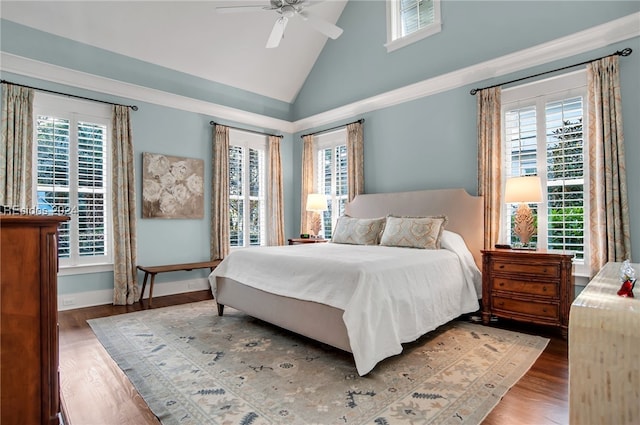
<point x="515" y="267"/>
<point x="529" y="308"/>
<point x="541" y="289"/>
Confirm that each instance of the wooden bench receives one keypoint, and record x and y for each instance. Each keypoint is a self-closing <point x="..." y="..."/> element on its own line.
<point x="154" y="270"/>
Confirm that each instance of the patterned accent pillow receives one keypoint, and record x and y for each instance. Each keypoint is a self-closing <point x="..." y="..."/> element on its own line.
<point x="413" y="232"/>
<point x="358" y="231"/>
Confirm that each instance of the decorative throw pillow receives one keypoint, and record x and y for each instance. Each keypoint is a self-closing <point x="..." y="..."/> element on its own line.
<point x="358" y="231"/>
<point x="413" y="232"/>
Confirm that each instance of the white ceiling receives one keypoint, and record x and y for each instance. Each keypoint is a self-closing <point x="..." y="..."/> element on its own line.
<point x="191" y="37"/>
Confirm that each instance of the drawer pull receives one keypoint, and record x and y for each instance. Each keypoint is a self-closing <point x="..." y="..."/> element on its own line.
<point x="544" y="289"/>
<point x="501" y="284"/>
<point x="544" y="310"/>
<point x="502" y="266"/>
<point x="501" y="303"/>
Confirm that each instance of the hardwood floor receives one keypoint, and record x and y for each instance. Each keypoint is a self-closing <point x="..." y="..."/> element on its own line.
<point x="96" y="392"/>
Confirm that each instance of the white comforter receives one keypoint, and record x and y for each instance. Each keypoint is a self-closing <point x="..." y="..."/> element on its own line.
<point x="389" y="295"/>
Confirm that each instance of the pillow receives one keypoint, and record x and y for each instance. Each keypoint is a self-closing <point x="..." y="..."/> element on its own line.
<point x="358" y="231"/>
<point x="413" y="232"/>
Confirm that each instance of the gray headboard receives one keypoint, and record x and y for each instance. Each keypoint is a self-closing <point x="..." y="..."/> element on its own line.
<point x="465" y="213"/>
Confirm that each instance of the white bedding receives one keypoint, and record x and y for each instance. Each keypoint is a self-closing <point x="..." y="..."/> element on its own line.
<point x="389" y="295"/>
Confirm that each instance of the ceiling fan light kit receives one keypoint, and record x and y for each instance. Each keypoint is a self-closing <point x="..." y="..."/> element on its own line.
<point x="287" y="9"/>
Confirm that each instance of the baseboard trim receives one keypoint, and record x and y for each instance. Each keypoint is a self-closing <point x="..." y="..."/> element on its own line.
<point x="105" y="296"/>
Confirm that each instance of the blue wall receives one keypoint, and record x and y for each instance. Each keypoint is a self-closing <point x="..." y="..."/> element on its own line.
<point x="414" y="145"/>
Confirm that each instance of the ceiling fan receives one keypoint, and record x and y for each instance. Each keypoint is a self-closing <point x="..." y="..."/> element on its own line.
<point x="287" y="9"/>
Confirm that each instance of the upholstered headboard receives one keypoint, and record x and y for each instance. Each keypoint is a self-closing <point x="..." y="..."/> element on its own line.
<point x="465" y="213"/>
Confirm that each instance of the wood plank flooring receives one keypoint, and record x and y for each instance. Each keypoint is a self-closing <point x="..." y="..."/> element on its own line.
<point x="96" y="392"/>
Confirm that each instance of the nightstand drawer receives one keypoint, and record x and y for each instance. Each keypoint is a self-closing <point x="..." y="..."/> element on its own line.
<point x="542" y="289"/>
<point x="547" y="270"/>
<point x="525" y="307"/>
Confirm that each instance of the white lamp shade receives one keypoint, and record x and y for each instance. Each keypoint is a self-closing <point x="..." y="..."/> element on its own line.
<point x="526" y="189"/>
<point x="316" y="202"/>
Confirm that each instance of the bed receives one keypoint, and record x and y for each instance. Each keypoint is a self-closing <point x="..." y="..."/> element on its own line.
<point x="340" y="294"/>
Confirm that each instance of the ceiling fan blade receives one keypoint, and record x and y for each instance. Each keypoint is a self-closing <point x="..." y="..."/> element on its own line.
<point x="277" y="32"/>
<point x="241" y="9"/>
<point x="319" y="24"/>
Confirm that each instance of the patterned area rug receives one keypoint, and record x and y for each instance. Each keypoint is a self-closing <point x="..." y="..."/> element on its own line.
<point x="193" y="367"/>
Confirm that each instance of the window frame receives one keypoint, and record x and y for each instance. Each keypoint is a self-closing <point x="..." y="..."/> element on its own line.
<point x="76" y="110"/>
<point x="395" y="39"/>
<point x="260" y="142"/>
<point x="539" y="94"/>
<point x="330" y="140"/>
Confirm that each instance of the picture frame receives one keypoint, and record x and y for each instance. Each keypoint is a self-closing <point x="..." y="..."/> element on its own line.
<point x="172" y="187"/>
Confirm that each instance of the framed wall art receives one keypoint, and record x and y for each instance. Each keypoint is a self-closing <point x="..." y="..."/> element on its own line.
<point x="172" y="186"/>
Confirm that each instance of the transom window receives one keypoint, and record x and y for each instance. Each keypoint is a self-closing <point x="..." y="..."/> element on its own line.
<point x="411" y="20"/>
<point x="331" y="176"/>
<point x="544" y="135"/>
<point x="247" y="188"/>
<point x="71" y="168"/>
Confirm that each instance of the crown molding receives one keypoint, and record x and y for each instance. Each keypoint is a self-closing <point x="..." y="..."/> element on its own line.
<point x="584" y="41"/>
<point x="70" y="77"/>
<point x="581" y="42"/>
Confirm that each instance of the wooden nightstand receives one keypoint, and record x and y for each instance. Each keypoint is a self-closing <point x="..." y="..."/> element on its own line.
<point x="295" y="241"/>
<point x="530" y="286"/>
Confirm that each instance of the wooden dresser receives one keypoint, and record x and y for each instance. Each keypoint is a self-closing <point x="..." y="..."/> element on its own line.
<point x="530" y="286"/>
<point x="29" y="382"/>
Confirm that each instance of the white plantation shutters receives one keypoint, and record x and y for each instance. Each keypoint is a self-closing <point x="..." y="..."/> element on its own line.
<point x="71" y="167"/>
<point x="565" y="175"/>
<point x="247" y="189"/>
<point x="415" y="15"/>
<point x="543" y="135"/>
<point x="331" y="169"/>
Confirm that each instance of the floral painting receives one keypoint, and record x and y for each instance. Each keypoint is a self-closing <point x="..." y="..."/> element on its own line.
<point x="172" y="187"/>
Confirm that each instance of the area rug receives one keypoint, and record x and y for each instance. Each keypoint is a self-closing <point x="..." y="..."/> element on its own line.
<point x="193" y="367"/>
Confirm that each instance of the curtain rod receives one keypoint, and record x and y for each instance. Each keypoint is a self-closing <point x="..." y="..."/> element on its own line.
<point x="133" y="107"/>
<point x="247" y="130"/>
<point x="361" y="120"/>
<point x="623" y="52"/>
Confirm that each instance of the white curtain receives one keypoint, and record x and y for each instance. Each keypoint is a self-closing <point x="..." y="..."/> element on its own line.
<point x="219" y="241"/>
<point x="489" y="162"/>
<point x="608" y="204"/>
<point x="307" y="182"/>
<point x="123" y="198"/>
<point x="355" y="159"/>
<point x="276" y="191"/>
<point x="16" y="146"/>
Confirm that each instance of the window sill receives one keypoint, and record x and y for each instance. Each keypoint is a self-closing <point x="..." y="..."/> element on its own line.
<point x="399" y="43"/>
<point x="84" y="269"/>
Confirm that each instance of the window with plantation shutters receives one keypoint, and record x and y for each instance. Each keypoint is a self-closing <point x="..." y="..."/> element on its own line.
<point x="71" y="173"/>
<point x="247" y="188"/>
<point x="331" y="176"/>
<point x="544" y="135"/>
<point x="411" y="20"/>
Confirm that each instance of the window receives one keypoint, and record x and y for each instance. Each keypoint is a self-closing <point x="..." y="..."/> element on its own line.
<point x="247" y="188"/>
<point x="71" y="169"/>
<point x="331" y="176"/>
<point x="543" y="135"/>
<point x="411" y="20"/>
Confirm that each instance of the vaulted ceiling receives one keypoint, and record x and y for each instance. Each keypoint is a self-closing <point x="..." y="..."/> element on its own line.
<point x="191" y="37"/>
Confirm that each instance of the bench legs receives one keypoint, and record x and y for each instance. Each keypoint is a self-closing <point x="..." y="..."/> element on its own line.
<point x="220" y="309"/>
<point x="144" y="284"/>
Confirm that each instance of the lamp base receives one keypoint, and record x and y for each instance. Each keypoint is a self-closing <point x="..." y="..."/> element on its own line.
<point x="523" y="224"/>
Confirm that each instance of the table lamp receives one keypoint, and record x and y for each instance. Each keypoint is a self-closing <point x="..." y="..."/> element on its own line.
<point x="316" y="203"/>
<point x="523" y="190"/>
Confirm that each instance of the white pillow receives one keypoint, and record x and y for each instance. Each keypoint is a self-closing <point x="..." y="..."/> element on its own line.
<point x="358" y="231"/>
<point x="413" y="232"/>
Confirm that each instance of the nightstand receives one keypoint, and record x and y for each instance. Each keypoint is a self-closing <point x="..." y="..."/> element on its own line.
<point x="296" y="241"/>
<point x="530" y="286"/>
